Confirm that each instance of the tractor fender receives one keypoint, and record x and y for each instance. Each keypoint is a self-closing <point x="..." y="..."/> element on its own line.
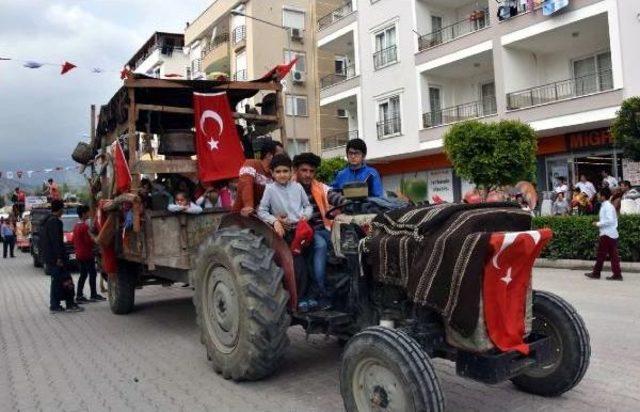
<point x="283" y="256"/>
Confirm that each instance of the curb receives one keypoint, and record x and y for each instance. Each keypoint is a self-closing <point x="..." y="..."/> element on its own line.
<point x="574" y="264"/>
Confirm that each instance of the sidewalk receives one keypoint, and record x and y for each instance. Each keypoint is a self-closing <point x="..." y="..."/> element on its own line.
<point x="573" y="264"/>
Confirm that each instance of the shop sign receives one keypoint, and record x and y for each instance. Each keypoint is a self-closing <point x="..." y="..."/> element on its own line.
<point x="590" y="138"/>
<point x="631" y="172"/>
<point x="440" y="183"/>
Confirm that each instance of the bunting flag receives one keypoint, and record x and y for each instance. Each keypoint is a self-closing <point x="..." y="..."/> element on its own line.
<point x="32" y="65"/>
<point x="11" y="174"/>
<point x="67" y="67"/>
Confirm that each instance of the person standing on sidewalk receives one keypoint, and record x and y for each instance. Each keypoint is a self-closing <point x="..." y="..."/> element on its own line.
<point x="55" y="260"/>
<point x="83" y="243"/>
<point x="8" y="232"/>
<point x="608" y="241"/>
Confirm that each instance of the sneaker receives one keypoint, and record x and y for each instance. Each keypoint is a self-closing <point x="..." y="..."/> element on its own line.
<point x="59" y="309"/>
<point x="75" y="308"/>
<point x="619" y="277"/>
<point x="98" y="298"/>
<point x="592" y="276"/>
<point x="82" y="299"/>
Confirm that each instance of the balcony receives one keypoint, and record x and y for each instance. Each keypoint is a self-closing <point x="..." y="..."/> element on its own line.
<point x="345" y="74"/>
<point x="240" y="75"/>
<point x="338" y="140"/>
<point x="477" y="20"/>
<point x="561" y="90"/>
<point x="335" y="15"/>
<point x="385" y="57"/>
<point x="215" y="57"/>
<point x="466" y="111"/>
<point x="238" y="36"/>
<point x="389" y="127"/>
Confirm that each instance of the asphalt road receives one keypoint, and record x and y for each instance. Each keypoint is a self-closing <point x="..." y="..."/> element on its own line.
<point x="152" y="359"/>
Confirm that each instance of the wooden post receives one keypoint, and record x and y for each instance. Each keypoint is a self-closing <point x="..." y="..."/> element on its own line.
<point x="281" y="115"/>
<point x="133" y="154"/>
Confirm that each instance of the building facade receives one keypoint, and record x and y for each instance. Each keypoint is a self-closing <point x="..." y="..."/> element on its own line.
<point x="245" y="39"/>
<point x="399" y="73"/>
<point x="161" y="56"/>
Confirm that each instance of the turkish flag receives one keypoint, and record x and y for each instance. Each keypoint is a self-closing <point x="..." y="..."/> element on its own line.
<point x="67" y="67"/>
<point x="507" y="276"/>
<point x="220" y="153"/>
<point x="121" y="169"/>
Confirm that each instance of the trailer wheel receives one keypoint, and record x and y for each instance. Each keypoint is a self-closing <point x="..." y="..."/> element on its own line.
<point x="122" y="289"/>
<point x="386" y="369"/>
<point x="241" y="304"/>
<point x="554" y="317"/>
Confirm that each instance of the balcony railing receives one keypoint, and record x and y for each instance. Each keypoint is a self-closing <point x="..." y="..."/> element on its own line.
<point x="217" y="41"/>
<point x="334" y="78"/>
<point x="335" y="15"/>
<point x="483" y="107"/>
<point x="478" y="20"/>
<point x="238" y="34"/>
<point x="338" y="140"/>
<point x="384" y="57"/>
<point x="565" y="89"/>
<point x="240" y="75"/>
<point x="389" y="127"/>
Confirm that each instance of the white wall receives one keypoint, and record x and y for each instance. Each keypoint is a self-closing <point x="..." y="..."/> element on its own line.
<point x="174" y="64"/>
<point x="449" y="15"/>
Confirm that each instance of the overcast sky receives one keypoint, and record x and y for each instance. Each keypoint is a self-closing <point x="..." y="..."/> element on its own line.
<point x="44" y="114"/>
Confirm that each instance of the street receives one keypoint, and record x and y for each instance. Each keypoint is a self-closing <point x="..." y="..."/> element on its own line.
<point x="152" y="359"/>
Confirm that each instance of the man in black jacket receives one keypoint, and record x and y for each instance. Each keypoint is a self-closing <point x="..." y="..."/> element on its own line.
<point x="55" y="260"/>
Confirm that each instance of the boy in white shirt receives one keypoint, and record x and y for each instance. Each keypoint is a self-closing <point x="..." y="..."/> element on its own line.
<point x="608" y="240"/>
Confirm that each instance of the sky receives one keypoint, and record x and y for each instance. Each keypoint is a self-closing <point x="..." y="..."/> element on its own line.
<point x="43" y="114"/>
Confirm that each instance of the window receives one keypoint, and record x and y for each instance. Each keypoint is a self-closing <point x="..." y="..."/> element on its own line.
<point x="340" y="65"/>
<point x="488" y="96"/>
<point x="389" y="116"/>
<point x="436" y="29"/>
<point x="593" y="74"/>
<point x="435" y="107"/>
<point x="296" y="105"/>
<point x="385" y="46"/>
<point x="297" y="146"/>
<point x="293" y="19"/>
<point x="342" y="114"/>
<point x="301" y="64"/>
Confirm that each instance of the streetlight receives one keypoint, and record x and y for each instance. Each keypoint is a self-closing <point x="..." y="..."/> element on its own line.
<point x="286" y="31"/>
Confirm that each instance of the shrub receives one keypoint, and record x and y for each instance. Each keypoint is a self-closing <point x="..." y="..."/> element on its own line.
<point x="328" y="169"/>
<point x="575" y="237"/>
<point x="626" y="128"/>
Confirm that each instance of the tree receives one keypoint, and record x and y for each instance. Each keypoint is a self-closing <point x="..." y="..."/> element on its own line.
<point x="328" y="169"/>
<point x="626" y="128"/>
<point x="492" y="154"/>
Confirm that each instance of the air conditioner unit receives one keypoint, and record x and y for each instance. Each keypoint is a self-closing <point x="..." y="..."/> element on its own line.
<point x="342" y="114"/>
<point x="296" y="34"/>
<point x="298" y="76"/>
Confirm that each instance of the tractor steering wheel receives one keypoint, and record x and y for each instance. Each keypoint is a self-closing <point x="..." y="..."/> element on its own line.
<point x="327" y="215"/>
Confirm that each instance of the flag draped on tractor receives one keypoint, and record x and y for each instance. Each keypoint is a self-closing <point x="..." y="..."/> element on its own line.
<point x="220" y="153"/>
<point x="121" y="169"/>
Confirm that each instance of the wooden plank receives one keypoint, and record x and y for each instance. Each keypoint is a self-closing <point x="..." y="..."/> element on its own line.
<point x="187" y="110"/>
<point x="280" y="116"/>
<point x="133" y="153"/>
<point x="165" y="84"/>
<point x="153" y="83"/>
<point x="165" y="166"/>
<point x="250" y="116"/>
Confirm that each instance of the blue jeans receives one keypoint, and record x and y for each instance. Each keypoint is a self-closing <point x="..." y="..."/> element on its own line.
<point x="321" y="245"/>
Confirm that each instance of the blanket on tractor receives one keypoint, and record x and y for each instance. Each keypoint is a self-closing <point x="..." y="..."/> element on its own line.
<point x="441" y="255"/>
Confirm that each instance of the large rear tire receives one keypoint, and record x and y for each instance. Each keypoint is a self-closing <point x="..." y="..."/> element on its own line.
<point x="386" y="369"/>
<point x="122" y="289"/>
<point x="554" y="317"/>
<point x="241" y="304"/>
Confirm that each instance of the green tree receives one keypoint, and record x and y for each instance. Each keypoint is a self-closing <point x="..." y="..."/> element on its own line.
<point x="492" y="154"/>
<point x="328" y="169"/>
<point x="626" y="128"/>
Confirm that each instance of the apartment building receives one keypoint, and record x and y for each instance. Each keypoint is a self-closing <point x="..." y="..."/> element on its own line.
<point x="399" y="73"/>
<point x="161" y="56"/>
<point x="245" y="39"/>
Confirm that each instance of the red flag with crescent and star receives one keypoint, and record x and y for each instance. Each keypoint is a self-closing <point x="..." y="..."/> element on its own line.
<point x="507" y="277"/>
<point x="220" y="153"/>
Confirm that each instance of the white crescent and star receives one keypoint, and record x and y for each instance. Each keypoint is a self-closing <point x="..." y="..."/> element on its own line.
<point x="210" y="114"/>
<point x="509" y="238"/>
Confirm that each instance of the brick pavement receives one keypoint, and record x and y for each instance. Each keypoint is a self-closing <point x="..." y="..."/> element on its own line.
<point x="152" y="359"/>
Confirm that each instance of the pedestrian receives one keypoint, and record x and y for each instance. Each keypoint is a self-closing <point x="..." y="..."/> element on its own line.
<point x="586" y="187"/>
<point x="562" y="186"/>
<point x="8" y="231"/>
<point x="618" y="193"/>
<point x="56" y="260"/>
<point x="608" y="240"/>
<point x="83" y="242"/>
<point x="608" y="180"/>
<point x="560" y="206"/>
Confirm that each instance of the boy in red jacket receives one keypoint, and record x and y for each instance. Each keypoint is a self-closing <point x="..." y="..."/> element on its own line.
<point x="83" y="243"/>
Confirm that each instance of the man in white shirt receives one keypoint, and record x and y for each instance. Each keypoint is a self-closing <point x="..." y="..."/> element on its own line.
<point x="562" y="187"/>
<point x="608" y="180"/>
<point x="586" y="187"/>
<point x="608" y="240"/>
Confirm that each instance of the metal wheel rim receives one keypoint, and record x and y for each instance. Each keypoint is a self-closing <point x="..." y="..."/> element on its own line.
<point x="376" y="387"/>
<point x="542" y="326"/>
<point x="221" y="309"/>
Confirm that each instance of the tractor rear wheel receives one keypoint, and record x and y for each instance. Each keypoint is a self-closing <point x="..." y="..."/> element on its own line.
<point x="122" y="289"/>
<point x="241" y="304"/>
<point x="386" y="369"/>
<point x="557" y="319"/>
